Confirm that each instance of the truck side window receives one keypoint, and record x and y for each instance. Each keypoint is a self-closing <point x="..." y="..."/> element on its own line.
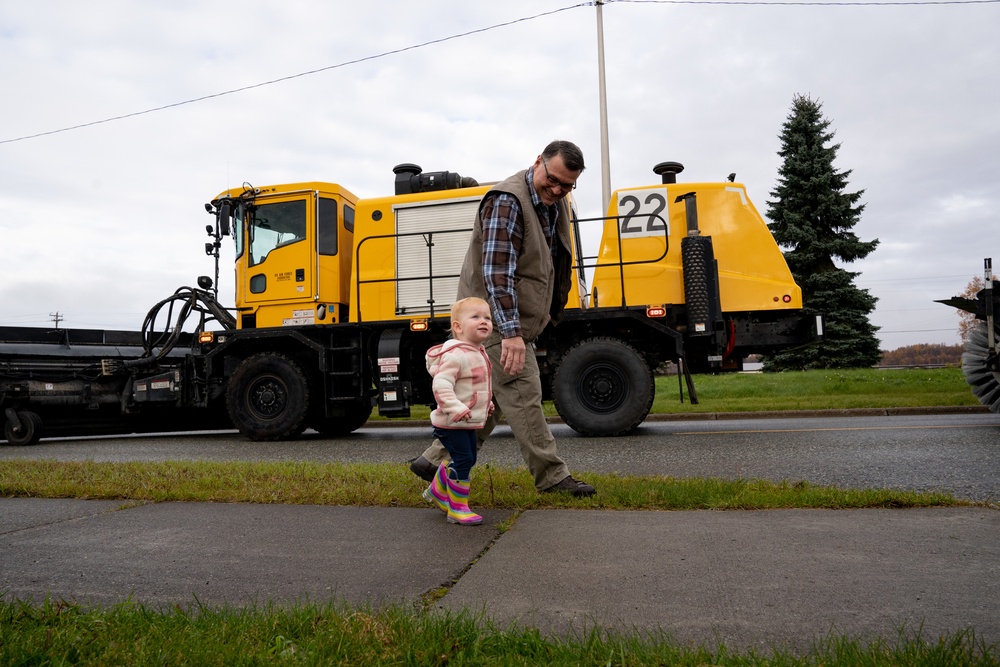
<point x="327" y="226"/>
<point x="348" y="218"/>
<point x="237" y="223"/>
<point x="276" y="225"/>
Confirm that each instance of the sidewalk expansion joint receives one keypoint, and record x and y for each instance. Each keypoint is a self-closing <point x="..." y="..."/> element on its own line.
<point x="429" y="599"/>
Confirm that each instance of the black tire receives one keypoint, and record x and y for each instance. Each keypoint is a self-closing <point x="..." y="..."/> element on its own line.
<point x="268" y="397"/>
<point x="985" y="383"/>
<point x="28" y="434"/>
<point x="349" y="423"/>
<point x="603" y="387"/>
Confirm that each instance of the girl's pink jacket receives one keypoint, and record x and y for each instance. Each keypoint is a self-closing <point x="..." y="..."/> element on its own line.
<point x="462" y="384"/>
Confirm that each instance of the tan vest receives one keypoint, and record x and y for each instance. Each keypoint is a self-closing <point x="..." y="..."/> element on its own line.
<point x="541" y="287"/>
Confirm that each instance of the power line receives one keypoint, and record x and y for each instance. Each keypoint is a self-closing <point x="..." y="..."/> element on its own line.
<point x="909" y="3"/>
<point x="939" y="309"/>
<point x="765" y="3"/>
<point x="884" y="331"/>
<point x="911" y="279"/>
<point x="295" y="76"/>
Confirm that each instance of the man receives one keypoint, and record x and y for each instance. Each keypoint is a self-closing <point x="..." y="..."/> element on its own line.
<point x="519" y="260"/>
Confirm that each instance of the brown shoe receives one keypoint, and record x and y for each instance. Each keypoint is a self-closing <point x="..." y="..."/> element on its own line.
<point x="574" y="486"/>
<point x="423" y="468"/>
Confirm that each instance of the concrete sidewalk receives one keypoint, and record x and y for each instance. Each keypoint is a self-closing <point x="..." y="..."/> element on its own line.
<point x="747" y="578"/>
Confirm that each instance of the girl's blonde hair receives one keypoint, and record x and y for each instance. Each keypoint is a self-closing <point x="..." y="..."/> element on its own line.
<point x="462" y="304"/>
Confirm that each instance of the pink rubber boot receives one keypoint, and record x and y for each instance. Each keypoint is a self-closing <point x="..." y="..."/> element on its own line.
<point x="458" y="502"/>
<point x="437" y="492"/>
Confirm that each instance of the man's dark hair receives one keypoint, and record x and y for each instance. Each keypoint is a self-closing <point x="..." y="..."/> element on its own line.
<point x="571" y="154"/>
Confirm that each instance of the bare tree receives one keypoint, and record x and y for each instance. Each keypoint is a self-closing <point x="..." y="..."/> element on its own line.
<point x="966" y="320"/>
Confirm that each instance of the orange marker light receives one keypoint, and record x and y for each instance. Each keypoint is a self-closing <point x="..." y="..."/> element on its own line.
<point x="656" y="311"/>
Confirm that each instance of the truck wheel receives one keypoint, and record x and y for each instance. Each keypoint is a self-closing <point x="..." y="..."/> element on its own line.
<point x="349" y="423"/>
<point x="29" y="432"/>
<point x="268" y="397"/>
<point x="603" y="387"/>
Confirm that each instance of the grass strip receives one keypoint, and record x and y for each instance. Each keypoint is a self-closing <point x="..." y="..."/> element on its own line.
<point x="839" y="389"/>
<point x="60" y="633"/>
<point x="393" y="485"/>
<point x="833" y="389"/>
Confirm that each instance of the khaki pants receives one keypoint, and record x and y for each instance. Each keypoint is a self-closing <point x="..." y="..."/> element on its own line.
<point x="519" y="398"/>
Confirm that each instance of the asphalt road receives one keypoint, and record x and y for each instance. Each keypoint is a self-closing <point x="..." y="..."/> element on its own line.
<point x="958" y="453"/>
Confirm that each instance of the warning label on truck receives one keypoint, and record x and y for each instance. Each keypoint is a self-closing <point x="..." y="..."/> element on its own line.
<point x="300" y="317"/>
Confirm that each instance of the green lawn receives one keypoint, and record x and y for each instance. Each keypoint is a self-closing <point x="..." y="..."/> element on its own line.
<point x="60" y="633"/>
<point x="819" y="390"/>
<point x="808" y="390"/>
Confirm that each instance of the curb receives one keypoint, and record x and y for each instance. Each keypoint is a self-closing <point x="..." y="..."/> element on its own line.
<point x="761" y="414"/>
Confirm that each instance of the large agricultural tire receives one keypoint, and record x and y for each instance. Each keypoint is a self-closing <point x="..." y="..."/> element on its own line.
<point x="603" y="387"/>
<point x="268" y="397"/>
<point x="355" y="418"/>
<point x="984" y="382"/>
<point x="29" y="432"/>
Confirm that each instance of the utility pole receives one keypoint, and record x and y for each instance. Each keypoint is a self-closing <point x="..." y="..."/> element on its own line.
<point x="56" y="317"/>
<point x="603" y="94"/>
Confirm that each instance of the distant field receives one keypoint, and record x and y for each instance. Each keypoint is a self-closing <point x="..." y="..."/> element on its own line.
<point x="819" y="390"/>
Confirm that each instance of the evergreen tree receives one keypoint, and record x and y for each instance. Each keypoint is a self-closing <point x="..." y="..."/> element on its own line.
<point x="812" y="218"/>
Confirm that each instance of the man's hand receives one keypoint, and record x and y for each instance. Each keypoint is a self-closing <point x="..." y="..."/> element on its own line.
<point x="512" y="351"/>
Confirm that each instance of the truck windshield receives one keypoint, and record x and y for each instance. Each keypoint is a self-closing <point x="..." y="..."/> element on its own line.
<point x="275" y="225"/>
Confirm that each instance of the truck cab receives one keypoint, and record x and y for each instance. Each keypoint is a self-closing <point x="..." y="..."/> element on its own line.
<point x="294" y="246"/>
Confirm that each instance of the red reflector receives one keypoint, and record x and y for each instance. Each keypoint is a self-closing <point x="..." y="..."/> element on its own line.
<point x="787" y="298"/>
<point x="656" y="311"/>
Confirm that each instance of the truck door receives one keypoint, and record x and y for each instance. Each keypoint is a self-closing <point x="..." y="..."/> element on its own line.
<point x="280" y="251"/>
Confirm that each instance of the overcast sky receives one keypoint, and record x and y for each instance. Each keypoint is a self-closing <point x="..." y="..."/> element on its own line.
<point x="101" y="222"/>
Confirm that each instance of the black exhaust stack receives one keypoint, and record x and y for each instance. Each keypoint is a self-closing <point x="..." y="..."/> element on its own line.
<point x="667" y="171"/>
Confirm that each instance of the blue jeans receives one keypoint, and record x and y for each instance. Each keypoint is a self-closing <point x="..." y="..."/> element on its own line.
<point x="461" y="446"/>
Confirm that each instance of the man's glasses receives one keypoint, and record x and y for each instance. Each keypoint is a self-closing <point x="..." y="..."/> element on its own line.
<point x="554" y="182"/>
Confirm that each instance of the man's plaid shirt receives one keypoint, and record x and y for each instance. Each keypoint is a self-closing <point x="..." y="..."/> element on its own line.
<point x="503" y="234"/>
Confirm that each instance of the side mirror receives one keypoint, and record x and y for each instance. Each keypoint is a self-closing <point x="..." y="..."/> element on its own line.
<point x="225" y="213"/>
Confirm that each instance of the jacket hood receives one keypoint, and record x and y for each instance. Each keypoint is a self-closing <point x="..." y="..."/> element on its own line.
<point x="435" y="353"/>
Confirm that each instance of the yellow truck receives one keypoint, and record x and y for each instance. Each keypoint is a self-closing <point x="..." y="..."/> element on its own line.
<point x="338" y="298"/>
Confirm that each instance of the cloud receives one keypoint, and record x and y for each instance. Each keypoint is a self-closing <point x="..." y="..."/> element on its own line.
<point x="102" y="222"/>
